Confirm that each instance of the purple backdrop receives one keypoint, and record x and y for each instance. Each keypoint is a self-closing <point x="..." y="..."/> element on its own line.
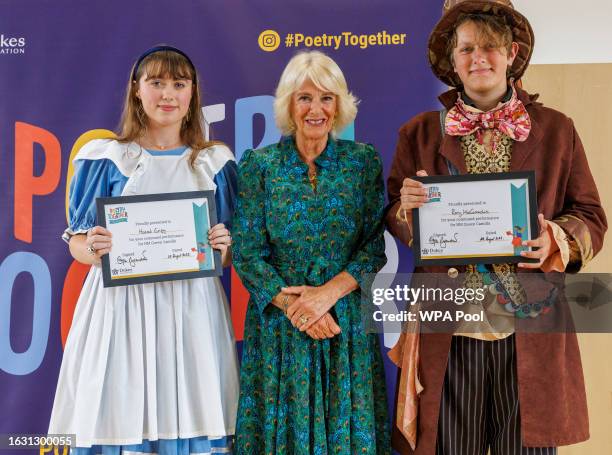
<point x="63" y="69"/>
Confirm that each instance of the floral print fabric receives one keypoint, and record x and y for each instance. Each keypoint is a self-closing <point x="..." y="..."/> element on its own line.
<point x="299" y="395"/>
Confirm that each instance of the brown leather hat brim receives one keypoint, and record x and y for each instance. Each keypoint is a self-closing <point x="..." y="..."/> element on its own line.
<point x="442" y="32"/>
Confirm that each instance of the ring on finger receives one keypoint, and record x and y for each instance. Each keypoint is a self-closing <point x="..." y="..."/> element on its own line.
<point x="91" y="250"/>
<point x="303" y="319"/>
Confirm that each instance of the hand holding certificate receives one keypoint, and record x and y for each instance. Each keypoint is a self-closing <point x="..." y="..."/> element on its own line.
<point x="482" y="218"/>
<point x="159" y="237"/>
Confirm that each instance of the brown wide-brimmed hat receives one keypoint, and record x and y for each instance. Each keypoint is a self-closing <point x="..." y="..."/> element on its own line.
<point x="442" y="33"/>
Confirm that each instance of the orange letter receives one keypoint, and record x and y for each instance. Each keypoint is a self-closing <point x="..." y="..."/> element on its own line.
<point x="27" y="184"/>
<point x="239" y="300"/>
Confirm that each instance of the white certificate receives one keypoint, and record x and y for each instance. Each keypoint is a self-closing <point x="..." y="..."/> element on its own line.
<point x="158" y="237"/>
<point x="481" y="218"/>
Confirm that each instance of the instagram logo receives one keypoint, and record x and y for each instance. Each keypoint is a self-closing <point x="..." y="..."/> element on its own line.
<point x="268" y="40"/>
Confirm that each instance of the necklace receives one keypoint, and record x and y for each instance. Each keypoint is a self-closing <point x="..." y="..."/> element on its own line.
<point x="162" y="147"/>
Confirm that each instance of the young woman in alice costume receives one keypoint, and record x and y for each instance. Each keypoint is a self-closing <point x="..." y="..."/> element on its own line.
<point x="150" y="368"/>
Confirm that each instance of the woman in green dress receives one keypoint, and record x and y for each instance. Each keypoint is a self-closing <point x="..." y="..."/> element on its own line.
<point x="307" y="232"/>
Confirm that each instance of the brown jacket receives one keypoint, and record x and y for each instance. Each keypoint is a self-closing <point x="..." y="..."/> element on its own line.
<point x="551" y="385"/>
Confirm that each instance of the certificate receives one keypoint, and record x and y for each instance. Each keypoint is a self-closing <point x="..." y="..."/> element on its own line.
<point x="159" y="237"/>
<point x="475" y="218"/>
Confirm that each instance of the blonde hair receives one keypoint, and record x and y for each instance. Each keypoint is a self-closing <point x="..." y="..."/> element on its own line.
<point x="326" y="75"/>
<point x="164" y="63"/>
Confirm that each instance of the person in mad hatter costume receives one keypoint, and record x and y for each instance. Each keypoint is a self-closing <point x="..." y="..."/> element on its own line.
<point x="506" y="390"/>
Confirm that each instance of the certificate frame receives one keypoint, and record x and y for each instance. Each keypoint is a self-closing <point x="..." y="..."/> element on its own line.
<point x="532" y="215"/>
<point x="208" y="195"/>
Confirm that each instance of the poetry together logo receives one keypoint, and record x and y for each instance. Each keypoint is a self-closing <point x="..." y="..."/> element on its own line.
<point x="434" y="194"/>
<point x="269" y="40"/>
<point x="117" y="215"/>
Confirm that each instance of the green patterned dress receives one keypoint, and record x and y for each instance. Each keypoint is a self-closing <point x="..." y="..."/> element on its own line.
<point x="299" y="395"/>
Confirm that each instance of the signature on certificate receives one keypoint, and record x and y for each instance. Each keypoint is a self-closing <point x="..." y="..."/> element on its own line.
<point x="131" y="258"/>
<point x="443" y="239"/>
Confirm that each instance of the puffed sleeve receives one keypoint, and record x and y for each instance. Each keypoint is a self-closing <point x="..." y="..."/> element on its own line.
<point x="583" y="218"/>
<point x="225" y="196"/>
<point x="370" y="256"/>
<point x="92" y="179"/>
<point x="251" y="251"/>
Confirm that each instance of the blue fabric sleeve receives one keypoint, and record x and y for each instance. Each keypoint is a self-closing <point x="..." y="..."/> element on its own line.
<point x="92" y="179"/>
<point x="225" y="196"/>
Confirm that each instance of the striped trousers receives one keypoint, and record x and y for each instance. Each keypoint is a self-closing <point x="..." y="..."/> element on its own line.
<point x="480" y="406"/>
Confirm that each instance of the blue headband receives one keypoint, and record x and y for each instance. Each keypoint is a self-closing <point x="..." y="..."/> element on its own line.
<point x="159" y="49"/>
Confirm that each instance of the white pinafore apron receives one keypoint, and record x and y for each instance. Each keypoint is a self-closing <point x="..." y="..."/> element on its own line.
<point x="149" y="361"/>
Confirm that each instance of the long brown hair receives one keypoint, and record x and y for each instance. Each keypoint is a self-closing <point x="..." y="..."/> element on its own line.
<point x="164" y="63"/>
